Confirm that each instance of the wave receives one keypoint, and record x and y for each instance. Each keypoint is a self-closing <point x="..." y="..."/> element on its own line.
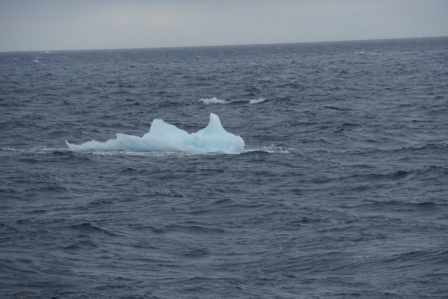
<point x="164" y="137"/>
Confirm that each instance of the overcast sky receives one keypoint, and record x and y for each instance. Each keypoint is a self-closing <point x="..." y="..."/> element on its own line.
<point x="108" y="24"/>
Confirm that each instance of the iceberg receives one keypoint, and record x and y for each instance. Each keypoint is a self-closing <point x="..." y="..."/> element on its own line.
<point x="164" y="137"/>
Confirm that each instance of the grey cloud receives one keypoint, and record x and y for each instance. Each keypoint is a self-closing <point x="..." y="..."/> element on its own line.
<point x="95" y="24"/>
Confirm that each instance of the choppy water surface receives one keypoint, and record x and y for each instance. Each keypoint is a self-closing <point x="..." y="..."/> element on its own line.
<point x="341" y="190"/>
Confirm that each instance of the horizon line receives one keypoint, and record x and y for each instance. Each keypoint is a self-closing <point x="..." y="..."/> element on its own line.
<point x="222" y="45"/>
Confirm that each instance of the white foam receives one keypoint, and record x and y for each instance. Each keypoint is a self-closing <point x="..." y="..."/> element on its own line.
<point x="164" y="137"/>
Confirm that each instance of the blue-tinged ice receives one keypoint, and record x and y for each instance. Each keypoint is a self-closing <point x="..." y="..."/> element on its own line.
<point x="164" y="137"/>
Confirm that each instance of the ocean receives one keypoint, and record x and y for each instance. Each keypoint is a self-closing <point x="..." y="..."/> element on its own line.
<point x="341" y="189"/>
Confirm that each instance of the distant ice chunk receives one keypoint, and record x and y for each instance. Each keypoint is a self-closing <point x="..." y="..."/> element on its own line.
<point x="256" y="101"/>
<point x="164" y="137"/>
<point x="214" y="100"/>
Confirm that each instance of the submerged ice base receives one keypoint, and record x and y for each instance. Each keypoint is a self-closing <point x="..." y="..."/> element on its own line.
<point x="164" y="137"/>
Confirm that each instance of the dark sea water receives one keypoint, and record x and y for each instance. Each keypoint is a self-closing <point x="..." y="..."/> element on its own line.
<point x="342" y="190"/>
